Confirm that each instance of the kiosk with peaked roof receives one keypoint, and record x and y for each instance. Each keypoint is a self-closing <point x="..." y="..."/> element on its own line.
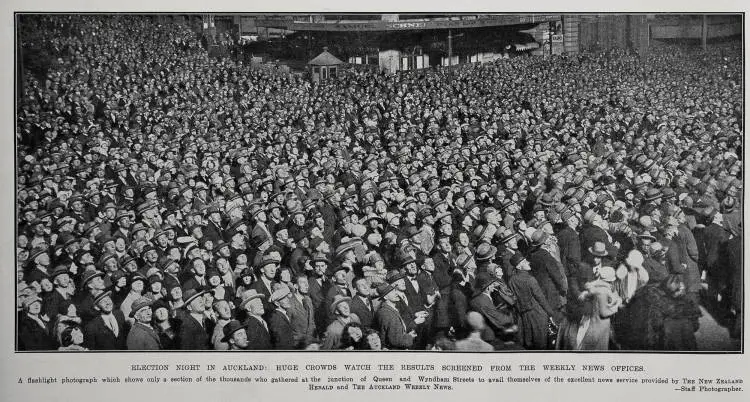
<point x="324" y="66"/>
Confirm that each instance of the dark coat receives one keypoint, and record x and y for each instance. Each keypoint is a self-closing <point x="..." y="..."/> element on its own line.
<point x="280" y="328"/>
<point x="547" y="272"/>
<point x="192" y="335"/>
<point x="392" y="328"/>
<point x="533" y="310"/>
<point x="142" y="337"/>
<point x="32" y="336"/>
<point x="317" y="294"/>
<point x="591" y="234"/>
<point x="99" y="337"/>
<point x="259" y="338"/>
<point x="495" y="318"/>
<point x="302" y="317"/>
<point x="360" y="308"/>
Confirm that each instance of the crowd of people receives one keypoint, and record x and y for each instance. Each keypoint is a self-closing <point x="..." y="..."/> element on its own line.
<point x="168" y="200"/>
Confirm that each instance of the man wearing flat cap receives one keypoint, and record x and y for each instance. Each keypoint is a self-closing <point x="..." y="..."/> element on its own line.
<point x="108" y="330"/>
<point x="142" y="335"/>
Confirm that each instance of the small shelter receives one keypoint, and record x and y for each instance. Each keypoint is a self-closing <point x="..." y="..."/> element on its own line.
<point x="324" y="66"/>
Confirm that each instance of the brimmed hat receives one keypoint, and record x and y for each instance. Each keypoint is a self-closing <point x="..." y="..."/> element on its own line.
<point x="36" y="252"/>
<point x="139" y="304"/>
<point x="192" y="294"/>
<point x="384" y="288"/>
<point x="31" y="300"/>
<point x="250" y="295"/>
<point x="89" y="275"/>
<point x="394" y="275"/>
<point x="280" y="293"/>
<point x="485" y="251"/>
<point x="599" y="249"/>
<point x="343" y="248"/>
<point x="336" y="300"/>
<point x="652" y="194"/>
<point x="59" y="270"/>
<point x="483" y="281"/>
<point x="320" y="257"/>
<point x="102" y="295"/>
<point x="230" y="328"/>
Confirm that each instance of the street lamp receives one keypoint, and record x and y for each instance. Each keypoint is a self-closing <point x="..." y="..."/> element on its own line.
<point x="450" y="46"/>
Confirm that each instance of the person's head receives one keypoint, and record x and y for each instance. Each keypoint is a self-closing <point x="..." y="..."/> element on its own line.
<point x="255" y="307"/>
<point x="674" y="285"/>
<point x="372" y="338"/>
<point x="362" y="286"/>
<point x="198" y="267"/>
<point x="105" y="304"/>
<point x="72" y="335"/>
<point x="352" y="334"/>
<point x="144" y="315"/>
<point x="239" y="339"/>
<point x="340" y="277"/>
<point x="197" y="305"/>
<point x="269" y="270"/>
<point x="444" y="244"/>
<point x="223" y="309"/>
<point x="343" y="309"/>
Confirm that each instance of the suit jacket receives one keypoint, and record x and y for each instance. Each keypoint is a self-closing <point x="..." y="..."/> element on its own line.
<point x="317" y="294"/>
<point x="392" y="328"/>
<point x="32" y="336"/>
<point x="142" y="337"/>
<point x="302" y="316"/>
<point x="192" y="335"/>
<point x="213" y="232"/>
<point x="52" y="304"/>
<point x="443" y="269"/>
<point x="99" y="337"/>
<point x="414" y="296"/>
<point x="259" y="338"/>
<point x="261" y="288"/>
<point x="280" y="328"/>
<point x="360" y="308"/>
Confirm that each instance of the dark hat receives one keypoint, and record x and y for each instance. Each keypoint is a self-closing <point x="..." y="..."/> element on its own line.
<point x="102" y="295"/>
<point x="36" y="252"/>
<point x="394" y="275"/>
<point x="139" y="304"/>
<point x="384" y="288"/>
<point x="508" y="237"/>
<point x="58" y="270"/>
<point x="343" y="248"/>
<point x="89" y="275"/>
<point x="516" y="259"/>
<point x="230" y="328"/>
<point x="652" y="194"/>
<point x="483" y="280"/>
<point x="191" y="294"/>
<point x="320" y="257"/>
<point x="137" y="276"/>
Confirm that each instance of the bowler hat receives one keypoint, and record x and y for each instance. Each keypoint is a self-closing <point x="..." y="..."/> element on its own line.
<point x="192" y="294"/>
<point x="516" y="259"/>
<point x="101" y="296"/>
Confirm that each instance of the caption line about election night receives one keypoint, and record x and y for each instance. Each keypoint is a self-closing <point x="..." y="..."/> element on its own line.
<point x="394" y="377"/>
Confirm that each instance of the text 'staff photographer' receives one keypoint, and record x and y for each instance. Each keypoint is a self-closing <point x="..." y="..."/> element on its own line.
<point x="511" y="182"/>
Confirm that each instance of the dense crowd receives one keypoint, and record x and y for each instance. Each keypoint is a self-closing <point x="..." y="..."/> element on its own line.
<point x="168" y="200"/>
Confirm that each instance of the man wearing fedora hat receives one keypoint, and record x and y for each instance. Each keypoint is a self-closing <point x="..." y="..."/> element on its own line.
<point x="193" y="332"/>
<point x="92" y="285"/>
<point x="107" y="331"/>
<point x="268" y="266"/>
<point x="279" y="322"/>
<point x="341" y="313"/>
<point x="63" y="291"/>
<point x="533" y="309"/>
<point x="258" y="334"/>
<point x="388" y="320"/>
<point x="235" y="335"/>
<point x="142" y="335"/>
<point x="319" y="284"/>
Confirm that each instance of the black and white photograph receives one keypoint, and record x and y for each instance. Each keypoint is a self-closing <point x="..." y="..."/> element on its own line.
<point x="435" y="182"/>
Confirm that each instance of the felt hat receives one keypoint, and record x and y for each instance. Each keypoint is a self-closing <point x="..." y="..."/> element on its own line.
<point x="336" y="300"/>
<point x="140" y="304"/>
<point x="230" y="328"/>
<point x="250" y="295"/>
<point x="599" y="249"/>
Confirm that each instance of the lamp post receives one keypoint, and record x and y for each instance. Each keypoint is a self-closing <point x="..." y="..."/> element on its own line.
<point x="450" y="46"/>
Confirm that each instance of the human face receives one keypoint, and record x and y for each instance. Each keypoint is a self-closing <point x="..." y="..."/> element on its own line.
<point x="303" y="286"/>
<point x="199" y="268"/>
<point x="256" y="307"/>
<point x="144" y="315"/>
<point x="77" y="336"/>
<point x="162" y="314"/>
<point x="340" y="277"/>
<point x="223" y="310"/>
<point x="106" y="305"/>
<point x="137" y="287"/>
<point x="355" y="333"/>
<point x="176" y="293"/>
<point x="373" y="341"/>
<point x="363" y="288"/>
<point x="343" y="309"/>
<point x="269" y="271"/>
<point x="198" y="305"/>
<point x="35" y="308"/>
<point x="411" y="268"/>
<point x="239" y="338"/>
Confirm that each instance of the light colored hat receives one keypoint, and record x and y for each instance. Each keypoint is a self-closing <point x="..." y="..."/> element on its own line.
<point x="607" y="274"/>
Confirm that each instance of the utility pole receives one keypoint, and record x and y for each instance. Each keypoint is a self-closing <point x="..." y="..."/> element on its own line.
<point x="704" y="32"/>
